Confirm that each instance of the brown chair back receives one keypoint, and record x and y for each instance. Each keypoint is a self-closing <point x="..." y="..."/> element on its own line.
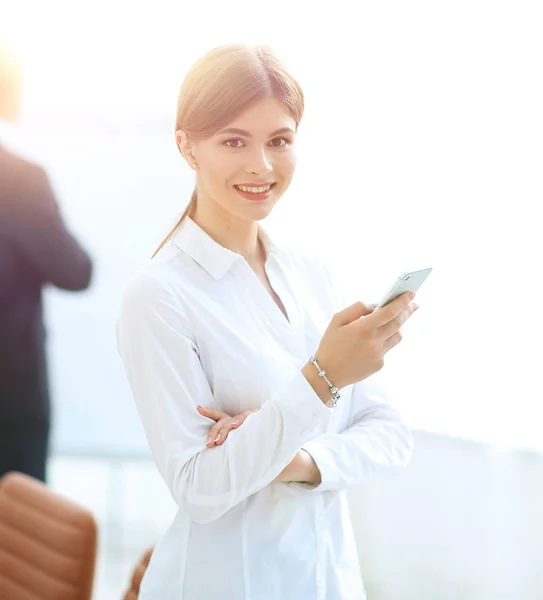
<point x="137" y="576"/>
<point x="47" y="543"/>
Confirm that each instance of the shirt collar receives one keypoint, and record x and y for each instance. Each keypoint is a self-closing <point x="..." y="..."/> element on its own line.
<point x="208" y="253"/>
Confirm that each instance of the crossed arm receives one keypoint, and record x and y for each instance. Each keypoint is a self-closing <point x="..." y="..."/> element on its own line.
<point x="375" y="443"/>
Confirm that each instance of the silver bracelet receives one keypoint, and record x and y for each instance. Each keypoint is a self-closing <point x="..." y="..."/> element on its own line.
<point x="333" y="389"/>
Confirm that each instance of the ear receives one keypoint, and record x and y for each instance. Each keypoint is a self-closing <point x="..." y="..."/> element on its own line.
<point x="185" y="147"/>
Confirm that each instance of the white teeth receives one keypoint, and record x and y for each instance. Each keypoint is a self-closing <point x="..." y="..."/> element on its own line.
<point x="254" y="190"/>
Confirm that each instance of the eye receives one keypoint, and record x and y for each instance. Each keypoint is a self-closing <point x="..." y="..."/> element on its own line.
<point x="281" y="139"/>
<point x="280" y="142"/>
<point x="227" y="143"/>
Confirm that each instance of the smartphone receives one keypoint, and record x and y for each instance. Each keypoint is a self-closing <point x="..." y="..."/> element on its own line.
<point x="409" y="281"/>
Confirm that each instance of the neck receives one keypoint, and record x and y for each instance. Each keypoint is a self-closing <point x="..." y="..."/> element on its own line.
<point x="240" y="237"/>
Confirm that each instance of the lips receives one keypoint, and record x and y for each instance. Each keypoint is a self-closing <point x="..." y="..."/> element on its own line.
<point x="269" y="184"/>
<point x="255" y="195"/>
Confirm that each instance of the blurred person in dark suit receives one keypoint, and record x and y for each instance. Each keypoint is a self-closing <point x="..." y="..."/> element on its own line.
<point x="35" y="250"/>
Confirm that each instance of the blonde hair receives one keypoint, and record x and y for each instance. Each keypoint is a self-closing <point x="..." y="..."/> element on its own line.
<point x="221" y="85"/>
<point x="10" y="81"/>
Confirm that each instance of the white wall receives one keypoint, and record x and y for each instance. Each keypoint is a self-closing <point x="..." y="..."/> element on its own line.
<point x="463" y="522"/>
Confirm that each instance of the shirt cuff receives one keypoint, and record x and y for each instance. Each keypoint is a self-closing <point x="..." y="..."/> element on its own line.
<point x="299" y="397"/>
<point x="330" y="477"/>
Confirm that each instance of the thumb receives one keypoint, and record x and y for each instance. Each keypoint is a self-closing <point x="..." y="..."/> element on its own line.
<point x="353" y="312"/>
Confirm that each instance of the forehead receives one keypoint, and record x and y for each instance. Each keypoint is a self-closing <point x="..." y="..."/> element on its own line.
<point x="263" y="117"/>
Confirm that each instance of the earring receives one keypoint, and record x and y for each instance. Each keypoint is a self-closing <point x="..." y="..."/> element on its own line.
<point x="194" y="165"/>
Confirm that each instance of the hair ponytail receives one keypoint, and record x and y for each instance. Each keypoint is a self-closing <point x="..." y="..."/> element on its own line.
<point x="188" y="211"/>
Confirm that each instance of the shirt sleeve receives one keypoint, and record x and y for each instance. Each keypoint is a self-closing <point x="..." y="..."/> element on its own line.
<point x="377" y="441"/>
<point x="160" y="356"/>
<point x="41" y="236"/>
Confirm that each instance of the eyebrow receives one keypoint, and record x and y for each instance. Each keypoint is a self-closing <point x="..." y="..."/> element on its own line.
<point x="245" y="133"/>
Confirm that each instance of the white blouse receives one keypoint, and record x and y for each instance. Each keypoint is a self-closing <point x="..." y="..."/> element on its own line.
<point x="197" y="326"/>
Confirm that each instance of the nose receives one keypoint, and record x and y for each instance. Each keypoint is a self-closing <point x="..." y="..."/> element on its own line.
<point x="259" y="163"/>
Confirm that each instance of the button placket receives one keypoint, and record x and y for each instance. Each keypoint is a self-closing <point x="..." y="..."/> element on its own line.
<point x="294" y="329"/>
<point x="266" y="304"/>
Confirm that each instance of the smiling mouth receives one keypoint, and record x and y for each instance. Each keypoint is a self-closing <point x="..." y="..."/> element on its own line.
<point x="251" y="189"/>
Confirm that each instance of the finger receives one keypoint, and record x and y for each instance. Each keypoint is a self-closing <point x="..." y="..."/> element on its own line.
<point x="232" y="423"/>
<point x="224" y="431"/>
<point x="351" y="313"/>
<point x="392" y="341"/>
<point x="394" y="325"/>
<point x="215" y="434"/>
<point x="211" y="413"/>
<point x="239" y="419"/>
<point x="212" y="434"/>
<point x="387" y="313"/>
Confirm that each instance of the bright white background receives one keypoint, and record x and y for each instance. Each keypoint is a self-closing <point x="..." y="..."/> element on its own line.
<point x="421" y="146"/>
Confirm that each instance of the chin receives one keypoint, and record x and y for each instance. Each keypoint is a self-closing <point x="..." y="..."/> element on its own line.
<point x="258" y="214"/>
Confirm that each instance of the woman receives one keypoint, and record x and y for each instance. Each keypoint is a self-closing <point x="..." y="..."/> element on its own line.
<point x="218" y="329"/>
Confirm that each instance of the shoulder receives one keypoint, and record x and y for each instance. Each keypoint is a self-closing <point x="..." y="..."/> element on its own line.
<point x="155" y="291"/>
<point x="147" y="286"/>
<point x="18" y="199"/>
<point x="24" y="185"/>
<point x="16" y="165"/>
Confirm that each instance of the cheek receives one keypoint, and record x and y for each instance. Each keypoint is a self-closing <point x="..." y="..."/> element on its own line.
<point x="288" y="165"/>
<point x="219" y="172"/>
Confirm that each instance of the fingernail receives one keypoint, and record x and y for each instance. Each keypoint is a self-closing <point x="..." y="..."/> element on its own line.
<point x="235" y="422"/>
<point x="217" y="438"/>
<point x="208" y="441"/>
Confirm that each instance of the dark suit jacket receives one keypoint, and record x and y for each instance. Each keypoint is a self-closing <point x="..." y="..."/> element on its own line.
<point x="35" y="250"/>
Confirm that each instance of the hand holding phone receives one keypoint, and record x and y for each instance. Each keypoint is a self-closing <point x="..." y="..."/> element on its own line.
<point x="353" y="348"/>
<point x="409" y="281"/>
